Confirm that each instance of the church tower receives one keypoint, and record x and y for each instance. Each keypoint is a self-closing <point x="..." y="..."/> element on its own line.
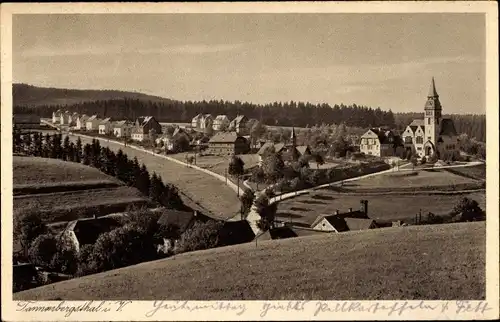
<point x="293" y="138"/>
<point x="432" y="115"/>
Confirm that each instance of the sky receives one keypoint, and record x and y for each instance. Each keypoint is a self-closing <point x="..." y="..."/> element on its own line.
<point x="377" y="60"/>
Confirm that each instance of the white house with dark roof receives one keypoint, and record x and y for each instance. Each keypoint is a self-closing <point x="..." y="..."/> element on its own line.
<point x="432" y="135"/>
<point x="122" y="129"/>
<point x="105" y="126"/>
<point x="56" y="116"/>
<point x="92" y="123"/>
<point x="220" y="122"/>
<point x="238" y="125"/>
<point x="196" y="121"/>
<point x="143" y="126"/>
<point x="81" y="122"/>
<point x="381" y="142"/>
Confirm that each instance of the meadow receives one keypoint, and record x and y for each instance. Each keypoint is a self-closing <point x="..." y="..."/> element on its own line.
<point x="198" y="190"/>
<point x="63" y="191"/>
<point x="438" y="262"/>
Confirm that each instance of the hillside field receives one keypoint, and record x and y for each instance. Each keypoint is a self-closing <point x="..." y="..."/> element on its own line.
<point x="306" y="208"/>
<point x="199" y="190"/>
<point x="62" y="191"/>
<point x="439" y="179"/>
<point x="438" y="262"/>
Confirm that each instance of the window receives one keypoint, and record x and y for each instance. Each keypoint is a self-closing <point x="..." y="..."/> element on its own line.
<point x="419" y="148"/>
<point x="420" y="140"/>
<point x="429" y="121"/>
<point x="429" y="138"/>
<point x="408" y="139"/>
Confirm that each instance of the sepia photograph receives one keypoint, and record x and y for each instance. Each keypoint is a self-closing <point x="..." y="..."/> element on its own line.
<point x="249" y="156"/>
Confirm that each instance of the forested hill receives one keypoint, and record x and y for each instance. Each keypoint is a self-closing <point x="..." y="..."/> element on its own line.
<point x="280" y="114"/>
<point x="474" y="125"/>
<point x="291" y="113"/>
<point x="28" y="95"/>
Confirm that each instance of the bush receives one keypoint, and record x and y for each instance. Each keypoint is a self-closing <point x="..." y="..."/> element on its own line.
<point x="247" y="199"/>
<point x="199" y="236"/>
<point x="42" y="250"/>
<point x="28" y="227"/>
<point x="236" y="166"/>
<point x="65" y="260"/>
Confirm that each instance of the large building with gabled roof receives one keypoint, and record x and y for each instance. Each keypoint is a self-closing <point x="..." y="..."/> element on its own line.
<point x="433" y="135"/>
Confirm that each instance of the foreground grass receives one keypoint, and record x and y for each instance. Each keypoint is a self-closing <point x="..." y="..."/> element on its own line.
<point x="201" y="189"/>
<point x="384" y="207"/>
<point x="34" y="171"/>
<point x="442" y="262"/>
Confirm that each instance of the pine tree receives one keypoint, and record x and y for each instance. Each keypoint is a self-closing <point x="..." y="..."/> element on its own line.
<point x="144" y="182"/>
<point x="65" y="149"/>
<point x="155" y="189"/>
<point x="86" y="156"/>
<point x="38" y="144"/>
<point x="78" y="150"/>
<point x="27" y="143"/>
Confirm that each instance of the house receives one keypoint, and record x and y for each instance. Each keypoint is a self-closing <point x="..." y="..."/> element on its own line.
<point x="166" y="142"/>
<point x="56" y="116"/>
<point x="238" y="124"/>
<point x="227" y="143"/>
<point x="381" y="142"/>
<point x="304" y="150"/>
<point x="122" y="129"/>
<point x="86" y="231"/>
<point x="206" y="122"/>
<point x="221" y="122"/>
<point x="65" y="118"/>
<point x="235" y="232"/>
<point x="269" y="147"/>
<point x="181" y="220"/>
<point x="81" y="122"/>
<point x="105" y="126"/>
<point x="25" y="121"/>
<point x="348" y="221"/>
<point x="196" y="121"/>
<point x="92" y="123"/>
<point x="72" y="118"/>
<point x="143" y="126"/>
<point x="432" y="135"/>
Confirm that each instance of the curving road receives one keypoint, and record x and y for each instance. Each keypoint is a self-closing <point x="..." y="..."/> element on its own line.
<point x="199" y="190"/>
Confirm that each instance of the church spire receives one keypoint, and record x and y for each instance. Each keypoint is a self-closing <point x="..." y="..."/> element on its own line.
<point x="293" y="137"/>
<point x="432" y="89"/>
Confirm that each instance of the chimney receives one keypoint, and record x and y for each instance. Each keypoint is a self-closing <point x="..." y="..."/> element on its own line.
<point x="364" y="206"/>
<point x="350" y="209"/>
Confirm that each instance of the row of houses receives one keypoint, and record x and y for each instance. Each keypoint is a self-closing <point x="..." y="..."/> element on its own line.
<point x="137" y="130"/>
<point x="220" y="123"/>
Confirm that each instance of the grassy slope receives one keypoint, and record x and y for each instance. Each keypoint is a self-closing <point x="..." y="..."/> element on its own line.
<point x="205" y="190"/>
<point x="41" y="171"/>
<point x="305" y="209"/>
<point x="428" y="262"/>
<point x="65" y="206"/>
<point x="61" y="190"/>
<point x="35" y="96"/>
<point x="438" y="178"/>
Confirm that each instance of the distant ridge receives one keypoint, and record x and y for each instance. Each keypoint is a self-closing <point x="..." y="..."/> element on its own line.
<point x="29" y="95"/>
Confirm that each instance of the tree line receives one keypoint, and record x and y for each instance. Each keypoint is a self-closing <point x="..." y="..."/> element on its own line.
<point x="291" y="113"/>
<point x="114" y="164"/>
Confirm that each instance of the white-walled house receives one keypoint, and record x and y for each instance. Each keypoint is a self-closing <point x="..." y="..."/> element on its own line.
<point x="221" y="122"/>
<point x="122" y="129"/>
<point x="92" y="123"/>
<point x="196" y="121"/>
<point x="81" y="122"/>
<point x="105" y="126"/>
<point x="65" y="118"/>
<point x="381" y="142"/>
<point x="56" y="116"/>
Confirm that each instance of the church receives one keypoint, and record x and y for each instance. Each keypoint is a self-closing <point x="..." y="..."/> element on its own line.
<point x="432" y="135"/>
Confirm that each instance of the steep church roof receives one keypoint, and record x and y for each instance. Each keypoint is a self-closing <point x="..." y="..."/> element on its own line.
<point x="447" y="128"/>
<point x="432" y="89"/>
